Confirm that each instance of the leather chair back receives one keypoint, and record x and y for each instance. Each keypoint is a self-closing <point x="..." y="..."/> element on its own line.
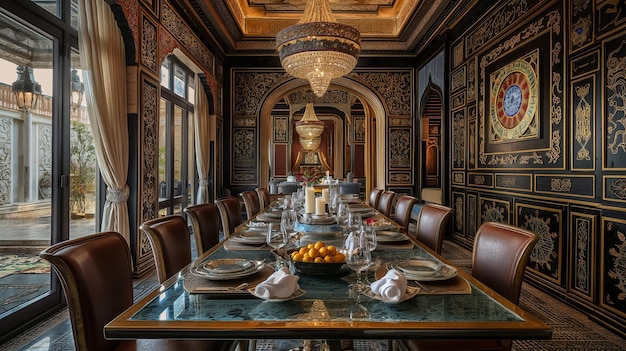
<point x="375" y="197"/>
<point x="386" y="202"/>
<point x="230" y="213"/>
<point x="96" y="275"/>
<point x="171" y="245"/>
<point x="251" y="201"/>
<point x="264" y="197"/>
<point x="432" y="222"/>
<point x="205" y="224"/>
<point x="404" y="207"/>
<point x="501" y="253"/>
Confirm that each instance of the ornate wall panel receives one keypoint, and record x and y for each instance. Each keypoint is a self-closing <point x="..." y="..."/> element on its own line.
<point x="517" y="129"/>
<point x="395" y="88"/>
<point x="148" y="161"/>
<point x="281" y="129"/>
<point x="472" y="216"/>
<point x="457" y="79"/>
<point x="586" y="64"/>
<point x="494" y="209"/>
<point x="546" y="221"/>
<point x="244" y="156"/>
<point x="471" y="81"/>
<point x="483" y="180"/>
<point x="149" y="45"/>
<point x="583" y="124"/>
<point x="515" y="182"/>
<point x="582" y="17"/>
<point x="250" y="87"/>
<point x="613" y="265"/>
<point x="614" y="188"/>
<point x="610" y="15"/>
<point x="582" y="277"/>
<point x="458" y="139"/>
<point x="400" y="151"/>
<point x="572" y="185"/>
<point x="458" y="178"/>
<point x="472" y="136"/>
<point x="458" y="216"/>
<point x="614" y="126"/>
<point x="6" y="156"/>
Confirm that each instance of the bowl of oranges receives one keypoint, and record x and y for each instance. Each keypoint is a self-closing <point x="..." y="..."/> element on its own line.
<point x="317" y="259"/>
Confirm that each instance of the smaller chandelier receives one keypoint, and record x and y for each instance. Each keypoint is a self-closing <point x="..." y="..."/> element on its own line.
<point x="318" y="48"/>
<point x="309" y="127"/>
<point x="310" y="144"/>
<point x="26" y="89"/>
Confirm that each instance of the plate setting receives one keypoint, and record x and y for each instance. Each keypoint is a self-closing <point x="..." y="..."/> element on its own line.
<point x="296" y="294"/>
<point x="253" y="237"/>
<point x="226" y="269"/>
<point x="424" y="269"/>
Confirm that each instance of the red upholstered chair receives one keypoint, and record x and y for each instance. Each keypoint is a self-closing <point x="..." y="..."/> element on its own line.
<point x="170" y="242"/>
<point x="205" y="224"/>
<point x="230" y="214"/>
<point x="432" y="222"/>
<point x="501" y="253"/>
<point x="404" y="207"/>
<point x="251" y="201"/>
<point x="386" y="202"/>
<point x="96" y="274"/>
<point x="375" y="197"/>
<point x="264" y="197"/>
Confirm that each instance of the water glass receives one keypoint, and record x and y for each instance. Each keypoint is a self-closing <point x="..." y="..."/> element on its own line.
<point x="355" y="222"/>
<point x="342" y="216"/>
<point x="358" y="258"/>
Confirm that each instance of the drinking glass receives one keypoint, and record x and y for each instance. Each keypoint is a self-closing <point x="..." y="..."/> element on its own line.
<point x="355" y="222"/>
<point x="277" y="238"/>
<point x="358" y="258"/>
<point x="342" y="216"/>
<point x="288" y="221"/>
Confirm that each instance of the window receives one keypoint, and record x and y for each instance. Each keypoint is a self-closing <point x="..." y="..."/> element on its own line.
<point x="176" y="147"/>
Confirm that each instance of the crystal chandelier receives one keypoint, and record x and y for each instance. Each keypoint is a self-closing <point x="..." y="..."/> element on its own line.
<point x="318" y="48"/>
<point x="309" y="128"/>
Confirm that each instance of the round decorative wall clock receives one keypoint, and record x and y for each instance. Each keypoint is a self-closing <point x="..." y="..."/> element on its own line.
<point x="514" y="99"/>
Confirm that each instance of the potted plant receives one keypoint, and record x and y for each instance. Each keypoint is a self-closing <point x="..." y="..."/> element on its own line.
<point x="82" y="168"/>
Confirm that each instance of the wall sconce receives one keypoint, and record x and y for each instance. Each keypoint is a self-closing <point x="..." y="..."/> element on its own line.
<point x="26" y="89"/>
<point x="77" y="88"/>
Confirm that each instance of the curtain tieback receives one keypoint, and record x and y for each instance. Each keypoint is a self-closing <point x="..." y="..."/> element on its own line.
<point x="204" y="181"/>
<point x="118" y="195"/>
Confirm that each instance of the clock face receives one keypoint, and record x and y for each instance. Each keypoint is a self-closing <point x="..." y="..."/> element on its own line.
<point x="513" y="100"/>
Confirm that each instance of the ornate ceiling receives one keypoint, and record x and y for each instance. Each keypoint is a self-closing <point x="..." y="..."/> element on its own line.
<point x="398" y="27"/>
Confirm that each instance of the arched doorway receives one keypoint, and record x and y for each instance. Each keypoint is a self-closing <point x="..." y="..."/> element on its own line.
<point x="374" y="121"/>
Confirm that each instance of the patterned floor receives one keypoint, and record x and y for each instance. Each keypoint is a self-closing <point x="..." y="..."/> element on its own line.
<point x="571" y="329"/>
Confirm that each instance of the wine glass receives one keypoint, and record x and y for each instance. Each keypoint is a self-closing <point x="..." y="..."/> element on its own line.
<point x="370" y="236"/>
<point x="288" y="221"/>
<point x="342" y="216"/>
<point x="277" y="238"/>
<point x="358" y="258"/>
<point x="355" y="222"/>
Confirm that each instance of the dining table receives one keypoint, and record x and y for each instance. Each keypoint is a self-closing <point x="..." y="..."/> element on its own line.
<point x="193" y="306"/>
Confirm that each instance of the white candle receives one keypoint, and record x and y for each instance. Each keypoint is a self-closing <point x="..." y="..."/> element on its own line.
<point x="325" y="195"/>
<point x="320" y="208"/>
<point x="309" y="200"/>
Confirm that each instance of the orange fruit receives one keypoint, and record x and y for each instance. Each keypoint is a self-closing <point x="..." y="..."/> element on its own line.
<point x="323" y="251"/>
<point x="307" y="258"/>
<point x="319" y="245"/>
<point x="329" y="259"/>
<point x="310" y="246"/>
<point x="314" y="253"/>
<point x="339" y="257"/>
<point x="297" y="257"/>
<point x="318" y="260"/>
<point x="303" y="250"/>
<point x="331" y="249"/>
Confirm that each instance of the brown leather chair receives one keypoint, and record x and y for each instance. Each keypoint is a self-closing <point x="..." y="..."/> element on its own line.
<point x="96" y="274"/>
<point x="432" y="222"/>
<point x="230" y="214"/>
<point x="404" y="207"/>
<point x="375" y="197"/>
<point x="251" y="201"/>
<point x="171" y="245"/>
<point x="205" y="224"/>
<point x="264" y="197"/>
<point x="501" y="253"/>
<point x="386" y="202"/>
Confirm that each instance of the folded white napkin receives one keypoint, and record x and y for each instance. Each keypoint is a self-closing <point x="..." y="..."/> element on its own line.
<point x="281" y="284"/>
<point x="257" y="224"/>
<point x="391" y="287"/>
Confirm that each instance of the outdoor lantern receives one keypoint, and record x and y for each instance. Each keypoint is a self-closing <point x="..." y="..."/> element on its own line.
<point x="25" y="88"/>
<point x="77" y="89"/>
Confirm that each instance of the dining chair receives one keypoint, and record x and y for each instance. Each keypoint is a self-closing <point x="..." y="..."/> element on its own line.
<point x="501" y="253"/>
<point x="251" y="202"/>
<point x="96" y="275"/>
<point x="386" y="202"/>
<point x="170" y="242"/>
<point x="230" y="214"/>
<point x="205" y="225"/>
<point x="431" y="225"/>
<point x="375" y="197"/>
<point x="264" y="197"/>
<point x="404" y="208"/>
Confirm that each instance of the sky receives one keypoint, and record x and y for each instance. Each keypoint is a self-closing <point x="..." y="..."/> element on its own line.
<point x="8" y="75"/>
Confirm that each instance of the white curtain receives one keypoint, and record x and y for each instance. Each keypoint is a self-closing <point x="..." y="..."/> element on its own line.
<point x="202" y="141"/>
<point x="102" y="59"/>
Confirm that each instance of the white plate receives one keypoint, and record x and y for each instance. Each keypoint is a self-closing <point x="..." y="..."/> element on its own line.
<point x="252" y="237"/>
<point x="228" y="265"/>
<point x="202" y="272"/>
<point x="446" y="272"/>
<point x="386" y="236"/>
<point x="418" y="267"/>
<point x="296" y="294"/>
<point x="410" y="293"/>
